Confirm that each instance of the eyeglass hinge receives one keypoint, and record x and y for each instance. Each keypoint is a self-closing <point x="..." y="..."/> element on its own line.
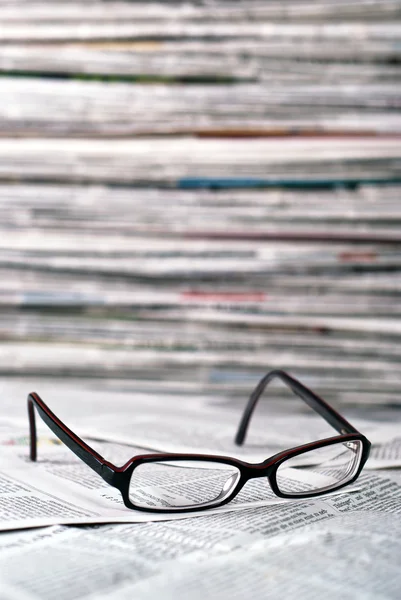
<point x="108" y="475"/>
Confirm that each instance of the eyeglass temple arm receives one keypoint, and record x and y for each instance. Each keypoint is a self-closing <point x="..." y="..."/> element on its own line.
<point x="313" y="400"/>
<point x="89" y="456"/>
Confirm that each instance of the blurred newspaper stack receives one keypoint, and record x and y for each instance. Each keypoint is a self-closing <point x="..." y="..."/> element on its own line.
<point x="193" y="193"/>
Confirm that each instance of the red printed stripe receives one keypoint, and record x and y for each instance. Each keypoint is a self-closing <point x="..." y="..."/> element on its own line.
<point x="357" y="256"/>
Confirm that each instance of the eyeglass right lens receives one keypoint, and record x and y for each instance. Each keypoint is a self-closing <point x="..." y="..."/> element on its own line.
<point x="320" y="470"/>
<point x="179" y="484"/>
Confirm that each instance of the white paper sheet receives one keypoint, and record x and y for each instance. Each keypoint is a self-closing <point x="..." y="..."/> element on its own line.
<point x="160" y="559"/>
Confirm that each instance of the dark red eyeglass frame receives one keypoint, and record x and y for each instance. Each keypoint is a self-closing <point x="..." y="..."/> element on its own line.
<point x="119" y="477"/>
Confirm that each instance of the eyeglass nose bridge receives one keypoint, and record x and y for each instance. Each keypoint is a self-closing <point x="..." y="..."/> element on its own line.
<point x="261" y="470"/>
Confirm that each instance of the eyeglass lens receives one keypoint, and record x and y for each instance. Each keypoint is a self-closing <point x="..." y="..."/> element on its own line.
<point x="181" y="484"/>
<point x="320" y="470"/>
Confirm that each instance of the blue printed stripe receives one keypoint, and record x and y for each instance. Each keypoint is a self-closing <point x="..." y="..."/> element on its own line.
<point x="254" y="182"/>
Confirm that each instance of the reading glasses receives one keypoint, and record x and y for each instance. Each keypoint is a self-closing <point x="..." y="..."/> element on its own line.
<point x="191" y="482"/>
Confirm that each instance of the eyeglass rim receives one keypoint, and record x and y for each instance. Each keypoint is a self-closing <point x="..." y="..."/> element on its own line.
<point x="267" y="468"/>
<point x="119" y="477"/>
<point x="362" y="458"/>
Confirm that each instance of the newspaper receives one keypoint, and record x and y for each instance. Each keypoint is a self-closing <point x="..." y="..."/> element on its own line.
<point x="104" y="273"/>
<point x="118" y="259"/>
<point x="188" y="162"/>
<point x="168" y="9"/>
<point x="201" y="555"/>
<point x="93" y="109"/>
<point x="321" y="560"/>
<point x="137" y="30"/>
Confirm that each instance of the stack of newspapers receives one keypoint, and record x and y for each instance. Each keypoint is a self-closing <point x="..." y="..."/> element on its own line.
<point x="193" y="194"/>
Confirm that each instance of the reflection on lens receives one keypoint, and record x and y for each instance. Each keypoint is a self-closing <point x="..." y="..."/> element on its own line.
<point x="320" y="470"/>
<point x="178" y="484"/>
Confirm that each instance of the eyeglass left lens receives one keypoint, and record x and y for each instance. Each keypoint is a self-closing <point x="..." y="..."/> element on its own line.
<point x="176" y="485"/>
<point x="320" y="470"/>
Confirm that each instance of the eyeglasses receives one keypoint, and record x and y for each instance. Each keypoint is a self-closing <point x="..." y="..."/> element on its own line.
<point x="191" y="482"/>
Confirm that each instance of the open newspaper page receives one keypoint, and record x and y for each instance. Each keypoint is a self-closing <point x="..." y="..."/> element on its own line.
<point x="234" y="554"/>
<point x="60" y="489"/>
